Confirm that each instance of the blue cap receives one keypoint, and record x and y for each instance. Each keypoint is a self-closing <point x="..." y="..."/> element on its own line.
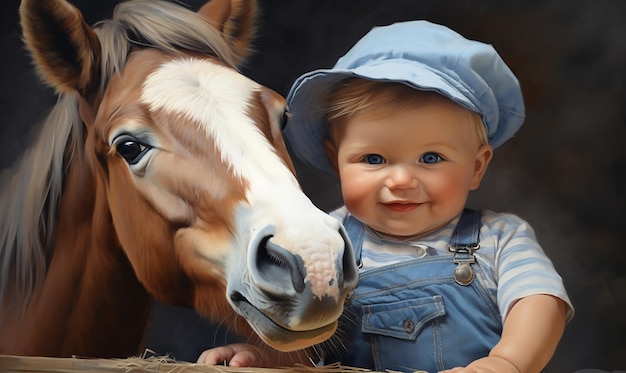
<point x="422" y="55"/>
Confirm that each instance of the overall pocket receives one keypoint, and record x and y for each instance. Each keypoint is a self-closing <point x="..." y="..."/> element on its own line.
<point x="402" y="319"/>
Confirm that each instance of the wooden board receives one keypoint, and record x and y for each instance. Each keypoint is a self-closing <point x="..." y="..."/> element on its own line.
<point x="31" y="364"/>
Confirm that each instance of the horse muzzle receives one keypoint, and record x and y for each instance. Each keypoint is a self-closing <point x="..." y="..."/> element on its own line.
<point x="293" y="298"/>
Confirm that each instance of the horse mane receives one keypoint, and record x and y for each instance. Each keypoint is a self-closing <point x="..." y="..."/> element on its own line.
<point x="31" y="191"/>
<point x="29" y="199"/>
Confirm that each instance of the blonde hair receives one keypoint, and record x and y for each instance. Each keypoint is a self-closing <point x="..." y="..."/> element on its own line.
<point x="356" y="95"/>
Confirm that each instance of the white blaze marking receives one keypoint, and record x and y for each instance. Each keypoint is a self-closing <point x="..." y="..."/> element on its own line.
<point x="218" y="98"/>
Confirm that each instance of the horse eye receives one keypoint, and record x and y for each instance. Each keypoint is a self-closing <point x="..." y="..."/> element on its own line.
<point x="131" y="150"/>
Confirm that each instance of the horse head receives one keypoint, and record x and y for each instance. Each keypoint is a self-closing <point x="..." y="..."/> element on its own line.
<point x="180" y="168"/>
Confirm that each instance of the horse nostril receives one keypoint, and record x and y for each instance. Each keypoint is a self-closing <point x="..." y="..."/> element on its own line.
<point x="274" y="263"/>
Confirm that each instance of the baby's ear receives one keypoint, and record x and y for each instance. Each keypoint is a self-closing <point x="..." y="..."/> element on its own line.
<point x="331" y="151"/>
<point x="485" y="153"/>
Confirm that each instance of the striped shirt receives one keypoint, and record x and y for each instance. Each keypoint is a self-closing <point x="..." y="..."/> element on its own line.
<point x="514" y="264"/>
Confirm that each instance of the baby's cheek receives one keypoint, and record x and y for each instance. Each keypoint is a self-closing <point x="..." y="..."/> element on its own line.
<point x="355" y="194"/>
<point x="451" y="189"/>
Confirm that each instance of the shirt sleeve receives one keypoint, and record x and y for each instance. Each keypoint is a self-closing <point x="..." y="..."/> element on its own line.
<point x="522" y="268"/>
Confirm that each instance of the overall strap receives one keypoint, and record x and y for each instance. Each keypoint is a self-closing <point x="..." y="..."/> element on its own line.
<point x="467" y="229"/>
<point x="464" y="241"/>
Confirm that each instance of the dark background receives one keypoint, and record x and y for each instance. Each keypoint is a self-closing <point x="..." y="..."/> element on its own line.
<point x="564" y="171"/>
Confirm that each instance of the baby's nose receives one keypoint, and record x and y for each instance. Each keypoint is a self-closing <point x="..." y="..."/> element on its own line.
<point x="402" y="177"/>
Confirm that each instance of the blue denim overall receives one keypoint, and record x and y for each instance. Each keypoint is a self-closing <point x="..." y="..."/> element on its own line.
<point x="415" y="315"/>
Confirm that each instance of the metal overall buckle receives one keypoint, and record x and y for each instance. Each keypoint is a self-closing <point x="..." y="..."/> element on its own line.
<point x="463" y="257"/>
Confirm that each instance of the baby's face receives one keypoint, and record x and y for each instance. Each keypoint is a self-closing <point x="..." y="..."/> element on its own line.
<point x="407" y="173"/>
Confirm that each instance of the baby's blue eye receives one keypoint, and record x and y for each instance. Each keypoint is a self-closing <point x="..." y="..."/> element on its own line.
<point x="431" y="158"/>
<point x="374" y="159"/>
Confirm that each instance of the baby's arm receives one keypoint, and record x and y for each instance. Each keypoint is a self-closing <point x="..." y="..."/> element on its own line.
<point x="530" y="335"/>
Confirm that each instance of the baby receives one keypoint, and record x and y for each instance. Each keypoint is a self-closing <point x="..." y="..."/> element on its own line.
<point x="408" y="120"/>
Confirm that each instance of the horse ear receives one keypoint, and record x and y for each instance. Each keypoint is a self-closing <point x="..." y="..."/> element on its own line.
<point x="65" y="49"/>
<point x="236" y="19"/>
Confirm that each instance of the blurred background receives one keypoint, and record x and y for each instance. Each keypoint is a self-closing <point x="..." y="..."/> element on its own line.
<point x="564" y="172"/>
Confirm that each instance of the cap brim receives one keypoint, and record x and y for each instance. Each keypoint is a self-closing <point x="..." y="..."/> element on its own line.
<point x="307" y="127"/>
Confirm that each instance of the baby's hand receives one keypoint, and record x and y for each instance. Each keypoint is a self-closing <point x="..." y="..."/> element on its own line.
<point x="489" y="364"/>
<point x="234" y="355"/>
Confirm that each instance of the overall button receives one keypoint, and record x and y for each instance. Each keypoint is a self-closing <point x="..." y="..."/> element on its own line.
<point x="464" y="274"/>
<point x="408" y="325"/>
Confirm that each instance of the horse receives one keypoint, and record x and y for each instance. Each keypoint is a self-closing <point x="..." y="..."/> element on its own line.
<point x="160" y="173"/>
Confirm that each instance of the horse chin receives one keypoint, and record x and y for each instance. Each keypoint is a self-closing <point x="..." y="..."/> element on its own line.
<point x="278" y="337"/>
